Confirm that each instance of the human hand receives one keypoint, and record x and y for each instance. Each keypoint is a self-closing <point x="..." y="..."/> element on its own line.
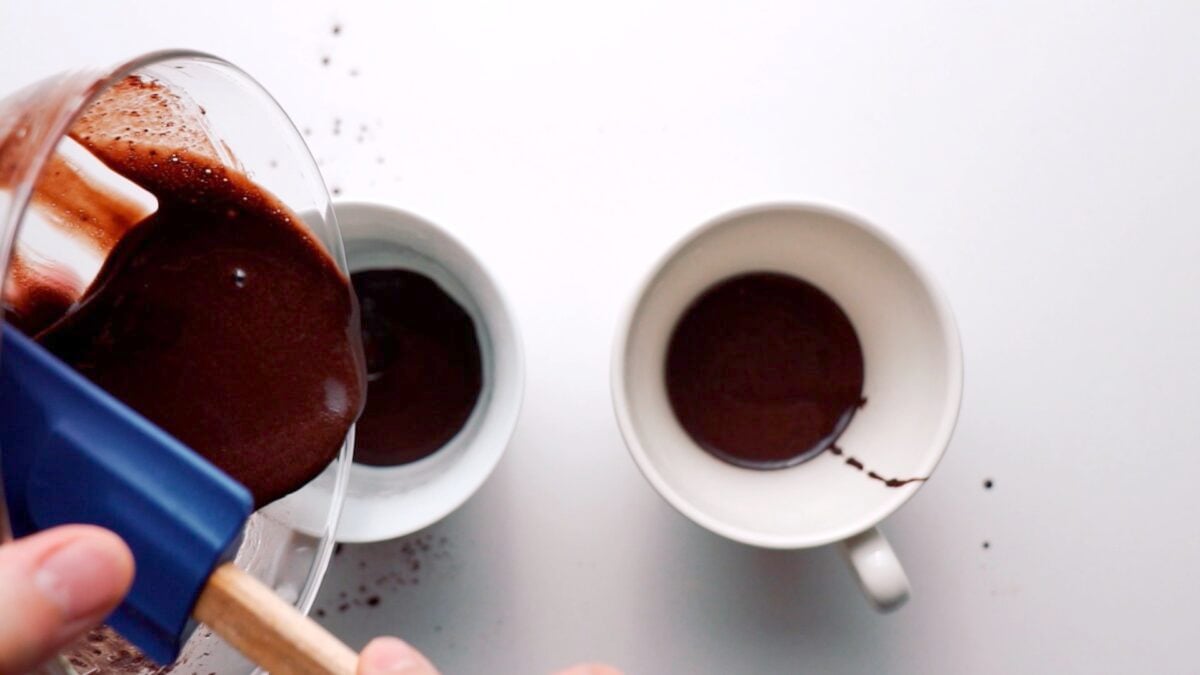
<point x="54" y="586"/>
<point x="58" y="584"/>
<point x="389" y="656"/>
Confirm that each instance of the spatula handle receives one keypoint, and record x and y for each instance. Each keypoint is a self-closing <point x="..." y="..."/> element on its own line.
<point x="267" y="630"/>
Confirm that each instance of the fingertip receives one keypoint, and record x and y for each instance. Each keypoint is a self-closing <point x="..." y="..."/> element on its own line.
<point x="55" y="585"/>
<point x="115" y="552"/>
<point x="590" y="669"/>
<point x="85" y="576"/>
<point x="392" y="656"/>
<point x="116" y="555"/>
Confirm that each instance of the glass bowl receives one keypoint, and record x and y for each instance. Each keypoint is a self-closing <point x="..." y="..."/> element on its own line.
<point x="287" y="544"/>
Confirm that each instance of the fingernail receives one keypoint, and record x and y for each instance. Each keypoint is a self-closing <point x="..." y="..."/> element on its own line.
<point x="390" y="655"/>
<point x="77" y="578"/>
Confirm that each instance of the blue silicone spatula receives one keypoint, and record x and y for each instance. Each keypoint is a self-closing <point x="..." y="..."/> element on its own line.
<point x="71" y="453"/>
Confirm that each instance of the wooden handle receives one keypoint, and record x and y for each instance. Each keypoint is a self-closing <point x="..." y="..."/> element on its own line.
<point x="269" y="631"/>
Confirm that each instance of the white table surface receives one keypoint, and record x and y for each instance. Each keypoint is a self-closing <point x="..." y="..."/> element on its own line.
<point x="1042" y="159"/>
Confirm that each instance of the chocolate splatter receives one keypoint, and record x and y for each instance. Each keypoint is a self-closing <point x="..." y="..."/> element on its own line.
<point x="405" y="559"/>
<point x="858" y="465"/>
<point x="102" y="650"/>
<point x="894" y="482"/>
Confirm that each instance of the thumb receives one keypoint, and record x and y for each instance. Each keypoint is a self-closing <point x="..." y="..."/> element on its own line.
<point x="390" y="656"/>
<point x="54" y="586"/>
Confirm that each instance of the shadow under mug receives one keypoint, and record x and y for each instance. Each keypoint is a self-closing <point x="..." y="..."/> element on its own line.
<point x="913" y="385"/>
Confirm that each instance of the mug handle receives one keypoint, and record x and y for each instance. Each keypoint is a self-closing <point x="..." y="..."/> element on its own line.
<point x="876" y="568"/>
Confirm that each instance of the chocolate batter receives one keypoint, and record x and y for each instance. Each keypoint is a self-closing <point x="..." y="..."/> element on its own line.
<point x="764" y="370"/>
<point x="423" y="363"/>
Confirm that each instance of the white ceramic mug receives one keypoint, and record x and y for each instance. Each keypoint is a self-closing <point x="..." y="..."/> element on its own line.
<point x="913" y="384"/>
<point x="383" y="502"/>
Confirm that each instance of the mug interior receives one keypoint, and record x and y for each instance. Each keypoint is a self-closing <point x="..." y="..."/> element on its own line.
<point x="913" y="378"/>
